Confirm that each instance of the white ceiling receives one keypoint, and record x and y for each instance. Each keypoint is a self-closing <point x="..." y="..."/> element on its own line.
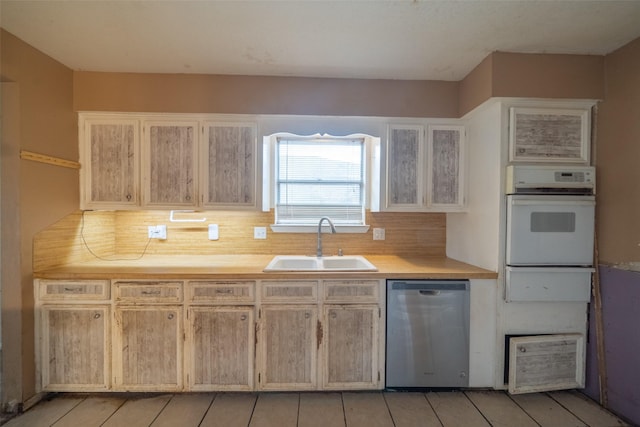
<point x="391" y="39"/>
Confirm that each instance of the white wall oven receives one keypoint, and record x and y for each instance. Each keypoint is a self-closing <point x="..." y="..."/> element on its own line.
<point x="550" y="232"/>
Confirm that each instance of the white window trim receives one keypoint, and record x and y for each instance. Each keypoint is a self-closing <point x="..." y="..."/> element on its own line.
<point x="372" y="182"/>
<point x="314" y="228"/>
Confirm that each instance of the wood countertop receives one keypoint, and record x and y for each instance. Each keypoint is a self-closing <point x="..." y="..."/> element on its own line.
<point x="227" y="267"/>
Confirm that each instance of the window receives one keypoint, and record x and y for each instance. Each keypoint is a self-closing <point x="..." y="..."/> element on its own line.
<point x="319" y="176"/>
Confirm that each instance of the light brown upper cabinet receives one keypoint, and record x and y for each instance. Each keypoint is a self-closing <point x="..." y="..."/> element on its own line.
<point x="549" y="135"/>
<point x="425" y="168"/>
<point x="229" y="159"/>
<point x="167" y="161"/>
<point x="109" y="153"/>
<point x="405" y="170"/>
<point x="169" y="164"/>
<point x="446" y="167"/>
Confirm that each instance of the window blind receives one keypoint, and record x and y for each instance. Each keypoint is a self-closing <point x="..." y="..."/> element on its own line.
<point x="320" y="177"/>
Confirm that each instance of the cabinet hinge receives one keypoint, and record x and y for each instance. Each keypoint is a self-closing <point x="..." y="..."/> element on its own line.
<point x="378" y="376"/>
<point x="259" y="313"/>
<point x="379" y="313"/>
<point x="259" y="378"/>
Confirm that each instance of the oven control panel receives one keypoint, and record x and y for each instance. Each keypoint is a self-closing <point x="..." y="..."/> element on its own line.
<point x="550" y="179"/>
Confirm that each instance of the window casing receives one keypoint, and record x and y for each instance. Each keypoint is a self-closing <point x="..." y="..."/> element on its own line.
<point x="319" y="176"/>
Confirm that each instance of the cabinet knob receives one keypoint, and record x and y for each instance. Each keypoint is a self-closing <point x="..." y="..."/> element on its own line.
<point x="334" y="315"/>
<point x="128" y="197"/>
<point x="96" y="316"/>
<point x="243" y="317"/>
<point x="307" y="315"/>
<point x="523" y="350"/>
<point x="170" y="316"/>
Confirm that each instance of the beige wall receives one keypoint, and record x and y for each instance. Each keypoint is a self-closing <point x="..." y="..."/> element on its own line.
<point x="547" y="76"/>
<point x="41" y="193"/>
<point x="532" y="76"/>
<point x="193" y="93"/>
<point x="476" y="87"/>
<point x="618" y="158"/>
<point x="499" y="75"/>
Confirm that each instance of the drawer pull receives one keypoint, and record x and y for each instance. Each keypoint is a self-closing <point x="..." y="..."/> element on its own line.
<point x="224" y="291"/>
<point x="72" y="289"/>
<point x="96" y="316"/>
<point x="243" y="317"/>
<point x="154" y="292"/>
<point x="170" y="316"/>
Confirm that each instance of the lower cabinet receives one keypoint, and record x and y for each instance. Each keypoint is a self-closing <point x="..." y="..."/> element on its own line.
<point x="74" y="343"/>
<point x="220" y="348"/>
<point x="208" y="335"/>
<point x="288" y="347"/>
<point x="147" y="350"/>
<point x="350" y="347"/>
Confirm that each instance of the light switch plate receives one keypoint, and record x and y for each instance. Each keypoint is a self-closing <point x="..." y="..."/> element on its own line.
<point x="158" y="232"/>
<point x="213" y="232"/>
<point x="259" y="232"/>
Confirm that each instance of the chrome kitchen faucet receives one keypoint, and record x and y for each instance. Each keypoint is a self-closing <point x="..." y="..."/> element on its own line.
<point x="333" y="231"/>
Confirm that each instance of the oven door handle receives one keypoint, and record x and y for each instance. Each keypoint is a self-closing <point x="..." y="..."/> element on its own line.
<point x="563" y="202"/>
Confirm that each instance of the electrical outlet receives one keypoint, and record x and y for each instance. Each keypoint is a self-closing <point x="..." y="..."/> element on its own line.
<point x="213" y="232"/>
<point x="158" y="232"/>
<point x="259" y="232"/>
<point x="378" y="234"/>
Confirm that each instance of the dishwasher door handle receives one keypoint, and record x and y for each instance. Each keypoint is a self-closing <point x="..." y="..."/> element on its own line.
<point x="429" y="292"/>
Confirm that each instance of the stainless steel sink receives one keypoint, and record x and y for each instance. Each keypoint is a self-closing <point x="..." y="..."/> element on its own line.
<point x="319" y="264"/>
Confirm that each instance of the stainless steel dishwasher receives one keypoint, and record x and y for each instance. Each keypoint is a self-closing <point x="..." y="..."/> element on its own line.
<point x="427" y="333"/>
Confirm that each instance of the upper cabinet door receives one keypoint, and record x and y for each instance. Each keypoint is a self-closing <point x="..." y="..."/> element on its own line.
<point x="425" y="176"/>
<point x="549" y="135"/>
<point x="169" y="164"/>
<point x="446" y="166"/>
<point x="405" y="168"/>
<point x="109" y="155"/>
<point x="229" y="159"/>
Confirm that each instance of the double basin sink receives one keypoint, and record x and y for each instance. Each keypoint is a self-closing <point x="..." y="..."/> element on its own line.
<point x="319" y="264"/>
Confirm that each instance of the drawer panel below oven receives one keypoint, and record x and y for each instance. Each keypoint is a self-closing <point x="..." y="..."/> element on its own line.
<point x="548" y="284"/>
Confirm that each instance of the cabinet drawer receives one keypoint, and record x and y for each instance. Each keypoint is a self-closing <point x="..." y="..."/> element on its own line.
<point x="293" y="292"/>
<point x="357" y="291"/>
<point x="149" y="292"/>
<point x="222" y="292"/>
<point x="548" y="284"/>
<point x="52" y="290"/>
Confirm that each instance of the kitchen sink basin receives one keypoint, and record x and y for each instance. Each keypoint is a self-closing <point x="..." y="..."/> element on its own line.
<point x="319" y="264"/>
